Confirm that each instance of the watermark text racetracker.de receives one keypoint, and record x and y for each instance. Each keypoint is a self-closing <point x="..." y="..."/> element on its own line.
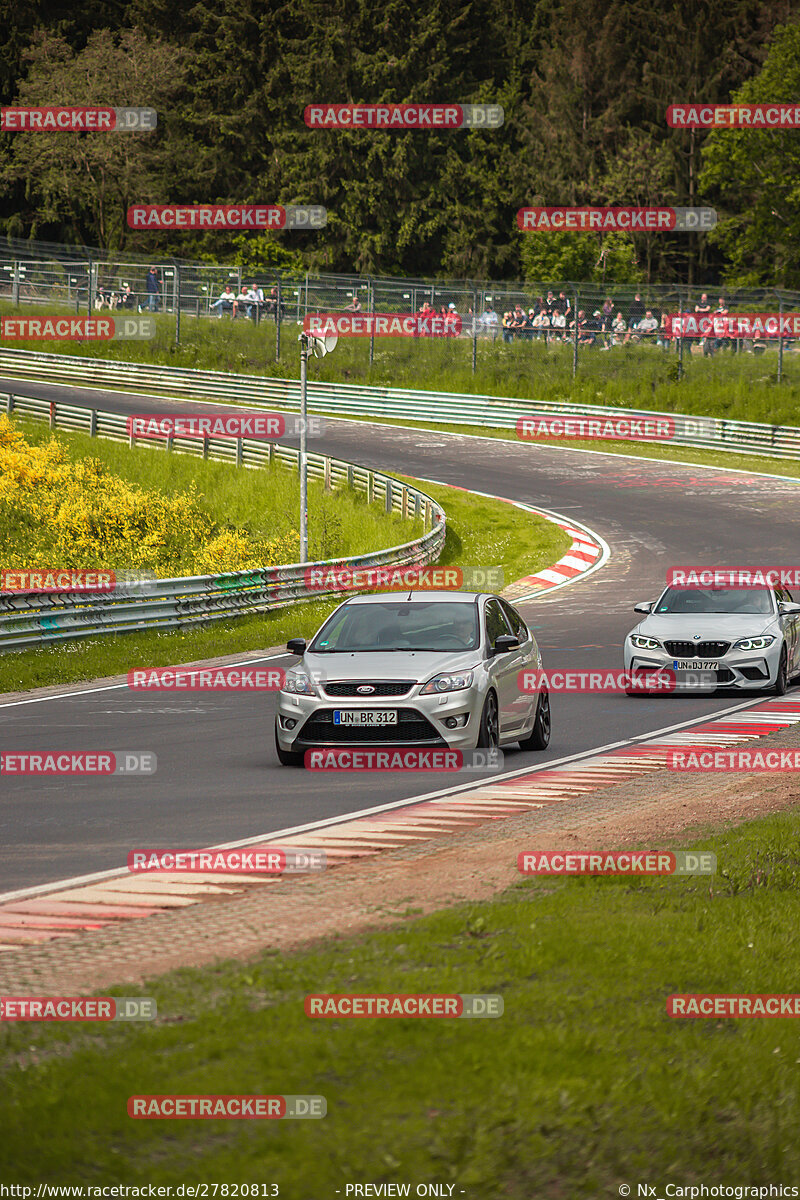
<point x="341" y="577"/>
<point x="389" y="1005"/>
<point x="403" y="117"/>
<point x="733" y="578"/>
<point x="617" y="862"/>
<point x="255" y="860"/>
<point x="537" y="426"/>
<point x="77" y="119"/>
<point x="76" y="329"/>
<point x="207" y="679"/>
<point x="403" y="758"/>
<point x="227" y="1107"/>
<point x="227" y="216"/>
<point x="78" y="762"/>
<point x="264" y="426"/>
<point x="78" y="1008"/>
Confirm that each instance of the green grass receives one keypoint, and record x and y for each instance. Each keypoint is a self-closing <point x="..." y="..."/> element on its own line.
<point x="480" y="532"/>
<point x="740" y="387"/>
<point x="582" y="1085"/>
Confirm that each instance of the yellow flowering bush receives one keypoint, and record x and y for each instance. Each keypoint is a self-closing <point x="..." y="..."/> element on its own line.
<point x="56" y="512"/>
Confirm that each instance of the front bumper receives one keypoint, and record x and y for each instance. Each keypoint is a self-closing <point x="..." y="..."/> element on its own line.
<point x="421" y="721"/>
<point x="742" y="669"/>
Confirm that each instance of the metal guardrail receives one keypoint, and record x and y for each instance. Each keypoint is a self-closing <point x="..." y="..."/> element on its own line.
<point x="36" y="618"/>
<point x="446" y="408"/>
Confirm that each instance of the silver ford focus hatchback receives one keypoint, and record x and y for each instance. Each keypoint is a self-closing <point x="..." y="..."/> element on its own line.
<point x="432" y="669"/>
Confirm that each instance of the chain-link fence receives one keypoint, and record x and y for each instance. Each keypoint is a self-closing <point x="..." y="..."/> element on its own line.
<point x="569" y="323"/>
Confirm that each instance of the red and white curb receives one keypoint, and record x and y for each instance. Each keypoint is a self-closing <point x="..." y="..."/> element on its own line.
<point x="587" y="553"/>
<point x="62" y="910"/>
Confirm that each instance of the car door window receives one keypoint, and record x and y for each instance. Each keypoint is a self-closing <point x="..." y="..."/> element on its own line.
<point x="518" y="626"/>
<point x="495" y="621"/>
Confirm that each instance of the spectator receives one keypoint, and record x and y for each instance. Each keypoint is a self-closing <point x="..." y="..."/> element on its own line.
<point x="125" y="299"/>
<point x="354" y="306"/>
<point x="702" y="309"/>
<point x="619" y="330"/>
<point x="489" y="321"/>
<point x="102" y="298"/>
<point x="271" y="305"/>
<point x="242" y="299"/>
<point x="665" y="331"/>
<point x="558" y="322"/>
<point x="721" y="325"/>
<point x="519" y="321"/>
<point x="540" y="323"/>
<point x="508" y="326"/>
<point x="451" y="321"/>
<point x="550" y="304"/>
<point x="562" y="304"/>
<point x="250" y="301"/>
<point x="636" y="312"/>
<point x="153" y="290"/>
<point x="226" y="302"/>
<point x="586" y="335"/>
<point x="647" y="326"/>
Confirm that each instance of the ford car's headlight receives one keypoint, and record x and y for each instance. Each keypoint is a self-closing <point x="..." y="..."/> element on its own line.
<point x="754" y="643"/>
<point x="448" y="683"/>
<point x="644" y="643"/>
<point x="300" y="685"/>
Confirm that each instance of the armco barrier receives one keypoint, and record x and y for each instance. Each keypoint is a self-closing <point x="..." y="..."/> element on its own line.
<point x="711" y="433"/>
<point x="35" y="619"/>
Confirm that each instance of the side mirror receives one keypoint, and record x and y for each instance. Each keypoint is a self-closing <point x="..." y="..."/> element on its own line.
<point x="788" y="608"/>
<point x="296" y="646"/>
<point x="504" y="643"/>
<point x="644" y="606"/>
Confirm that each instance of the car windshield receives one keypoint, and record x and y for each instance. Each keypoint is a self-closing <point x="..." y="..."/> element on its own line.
<point x="716" y="600"/>
<point x="399" y="625"/>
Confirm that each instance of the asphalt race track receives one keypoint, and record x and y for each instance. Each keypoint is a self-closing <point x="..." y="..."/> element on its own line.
<point x="218" y="779"/>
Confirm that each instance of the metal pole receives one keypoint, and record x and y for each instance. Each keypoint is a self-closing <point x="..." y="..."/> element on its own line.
<point x="371" y="287"/>
<point x="780" y="339"/>
<point x="89" y="290"/>
<point x="575" y="338"/>
<point x="177" y="305"/>
<point x="304" y="349"/>
<point x="680" y="336"/>
<point x="278" y="323"/>
<point x="15" y="289"/>
<point x="474" y="331"/>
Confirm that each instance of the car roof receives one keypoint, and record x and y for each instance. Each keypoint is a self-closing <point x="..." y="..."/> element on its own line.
<point x="436" y="597"/>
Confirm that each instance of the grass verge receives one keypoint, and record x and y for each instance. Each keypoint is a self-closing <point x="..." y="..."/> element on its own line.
<point x="480" y="532"/>
<point x="582" y="1085"/>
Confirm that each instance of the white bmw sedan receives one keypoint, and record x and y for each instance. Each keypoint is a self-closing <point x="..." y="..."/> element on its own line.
<point x="432" y="669"/>
<point x="741" y="637"/>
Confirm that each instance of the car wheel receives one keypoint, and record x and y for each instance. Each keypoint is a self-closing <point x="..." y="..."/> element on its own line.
<point x="287" y="758"/>
<point x="489" y="729"/>
<point x="782" y="681"/>
<point x="539" y="736"/>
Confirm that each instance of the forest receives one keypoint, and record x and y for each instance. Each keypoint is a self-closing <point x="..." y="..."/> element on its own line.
<point x="584" y="87"/>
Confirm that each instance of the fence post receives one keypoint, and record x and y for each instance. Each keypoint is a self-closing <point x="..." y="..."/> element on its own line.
<point x="10" y="403"/>
<point x="575" y="337"/>
<point x="389" y="495"/>
<point x="371" y="287"/>
<point x="278" y="324"/>
<point x="780" y="339"/>
<point x="93" y="423"/>
<point x="52" y="414"/>
<point x="370" y="487"/>
<point x="327" y="473"/>
<point x="15" y="289"/>
<point x="239" y="452"/>
<point x="474" y="331"/>
<point x="680" y="336"/>
<point x="177" y="305"/>
<point x="89" y="289"/>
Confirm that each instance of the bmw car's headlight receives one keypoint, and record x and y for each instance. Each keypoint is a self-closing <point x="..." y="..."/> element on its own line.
<point x="448" y="683"/>
<point x="644" y="643"/>
<point x="300" y="685"/>
<point x="755" y="643"/>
